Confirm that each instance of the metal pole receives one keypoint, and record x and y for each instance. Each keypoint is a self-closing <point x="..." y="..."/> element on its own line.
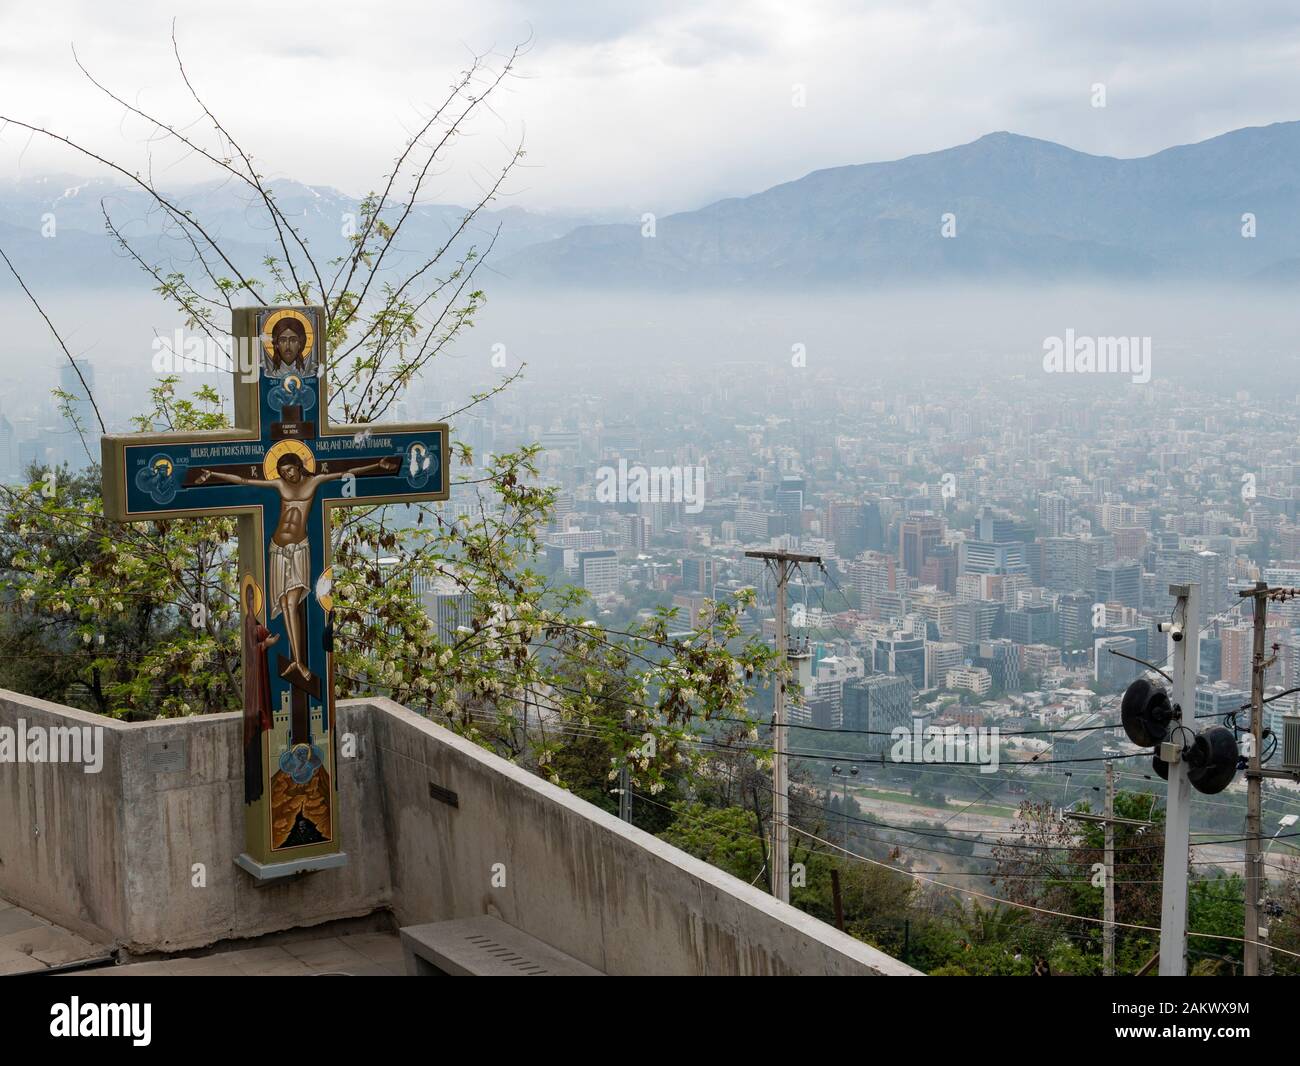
<point x="782" y="562"/>
<point x="1254" y="913"/>
<point x="780" y="797"/>
<point x="1108" y="944"/>
<point x="625" y="794"/>
<point x="844" y="814"/>
<point x="625" y="785"/>
<point x="1173" y="897"/>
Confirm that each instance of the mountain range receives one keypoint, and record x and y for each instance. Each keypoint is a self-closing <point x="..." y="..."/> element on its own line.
<point x="82" y="252"/>
<point x="1019" y="208"/>
<point x="1002" y="207"/>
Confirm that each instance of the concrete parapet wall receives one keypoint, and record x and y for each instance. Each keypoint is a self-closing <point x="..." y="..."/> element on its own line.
<point x="112" y="854"/>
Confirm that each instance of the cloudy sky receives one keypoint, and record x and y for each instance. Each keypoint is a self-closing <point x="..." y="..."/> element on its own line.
<point x="642" y="106"/>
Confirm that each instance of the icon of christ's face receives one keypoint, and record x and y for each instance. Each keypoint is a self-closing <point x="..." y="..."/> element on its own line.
<point x="288" y="345"/>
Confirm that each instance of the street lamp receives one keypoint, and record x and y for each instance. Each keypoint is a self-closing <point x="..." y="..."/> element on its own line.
<point x="1266" y="958"/>
<point x="837" y="771"/>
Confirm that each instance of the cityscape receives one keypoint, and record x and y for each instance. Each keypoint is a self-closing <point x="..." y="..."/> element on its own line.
<point x="665" y="490"/>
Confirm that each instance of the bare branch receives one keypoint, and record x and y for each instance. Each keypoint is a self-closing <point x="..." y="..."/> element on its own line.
<point x="36" y="303"/>
<point x="183" y="217"/>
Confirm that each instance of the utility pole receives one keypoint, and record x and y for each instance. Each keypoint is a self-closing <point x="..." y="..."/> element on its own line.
<point x="1108" y="821"/>
<point x="625" y="794"/>
<point x="1185" y="630"/>
<point x="625" y="784"/>
<point x="781" y="563"/>
<point x="1108" y="890"/>
<point x="1255" y="930"/>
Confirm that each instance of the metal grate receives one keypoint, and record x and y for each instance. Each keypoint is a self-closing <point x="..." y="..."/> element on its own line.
<point x="1291" y="742"/>
<point x="490" y="947"/>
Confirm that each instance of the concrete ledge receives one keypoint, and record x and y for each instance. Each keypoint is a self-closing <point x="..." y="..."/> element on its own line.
<point x="576" y="877"/>
<point x="267" y="872"/>
<point x="143" y="856"/>
<point x="141" y="853"/>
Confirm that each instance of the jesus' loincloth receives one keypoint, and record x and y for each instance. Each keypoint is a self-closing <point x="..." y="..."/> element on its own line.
<point x="289" y="571"/>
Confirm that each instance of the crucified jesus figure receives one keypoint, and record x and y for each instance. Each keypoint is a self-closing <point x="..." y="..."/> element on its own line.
<point x="289" y="580"/>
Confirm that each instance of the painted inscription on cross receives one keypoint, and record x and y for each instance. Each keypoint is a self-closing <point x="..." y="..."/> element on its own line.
<point x="281" y="471"/>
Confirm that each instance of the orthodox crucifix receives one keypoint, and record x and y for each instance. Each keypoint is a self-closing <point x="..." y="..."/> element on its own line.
<point x="281" y="471"/>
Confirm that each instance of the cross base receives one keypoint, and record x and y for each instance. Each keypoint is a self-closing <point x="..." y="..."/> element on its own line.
<point x="268" y="872"/>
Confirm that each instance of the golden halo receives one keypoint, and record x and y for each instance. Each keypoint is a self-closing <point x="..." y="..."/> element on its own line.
<point x="295" y="379"/>
<point x="164" y="463"/>
<point x="257" y="594"/>
<point x="274" y="319"/>
<point x="324" y="582"/>
<point x="276" y="450"/>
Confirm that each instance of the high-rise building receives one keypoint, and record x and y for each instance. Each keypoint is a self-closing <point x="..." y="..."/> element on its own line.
<point x="1074" y="611"/>
<point x="564" y="506"/>
<point x="1064" y="563"/>
<point x="598" y="571"/>
<point x="1238" y="650"/>
<point x="1179" y="566"/>
<point x="789" y="501"/>
<point x="634" y="531"/>
<point x="1053" y="514"/>
<point x="690" y="607"/>
<point x="8" y="449"/>
<point x="917" y="537"/>
<point x="1219" y="699"/>
<point x="829" y="677"/>
<point x="1039" y="658"/>
<point x="1114" y="672"/>
<point x="940" y="657"/>
<point x="699" y="574"/>
<point x="873" y="525"/>
<point x="879" y="703"/>
<point x="973" y="679"/>
<point x="976" y="620"/>
<point x="754" y="526"/>
<point x="78" y="414"/>
<point x="937" y="610"/>
<point x="1120" y="582"/>
<point x="996" y="549"/>
<point x="940" y="568"/>
<point x="900" y="652"/>
<point x="1130" y="542"/>
<point x="1035" y="623"/>
<point x="847" y="527"/>
<point x="449" y="605"/>
<point x="872" y="576"/>
<point x="1001" y="658"/>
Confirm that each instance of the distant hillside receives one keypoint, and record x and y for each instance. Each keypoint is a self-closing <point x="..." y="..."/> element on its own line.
<point x="1024" y="209"/>
<point x="82" y="253"/>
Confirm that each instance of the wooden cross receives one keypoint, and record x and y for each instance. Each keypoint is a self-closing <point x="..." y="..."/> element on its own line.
<point x="281" y="470"/>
